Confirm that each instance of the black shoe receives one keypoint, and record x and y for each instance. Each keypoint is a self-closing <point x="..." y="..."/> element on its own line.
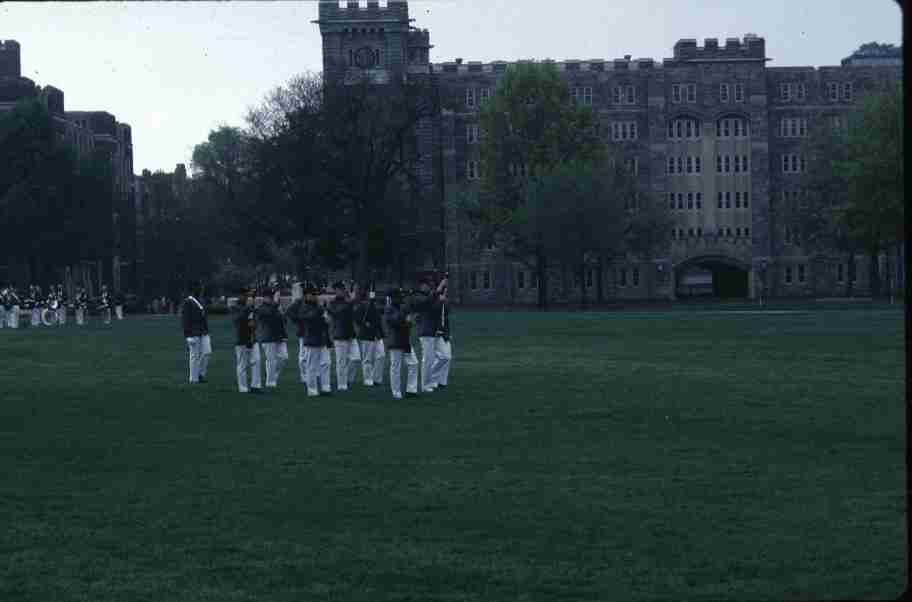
<point x="256" y="391"/>
<point x="439" y="386"/>
<point x="202" y="379"/>
<point x="411" y="395"/>
<point x="326" y="394"/>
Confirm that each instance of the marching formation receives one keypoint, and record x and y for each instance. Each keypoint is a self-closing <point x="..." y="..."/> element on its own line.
<point x="51" y="308"/>
<point x="348" y="325"/>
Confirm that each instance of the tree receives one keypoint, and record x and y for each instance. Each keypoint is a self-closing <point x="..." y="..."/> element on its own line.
<point x="855" y="183"/>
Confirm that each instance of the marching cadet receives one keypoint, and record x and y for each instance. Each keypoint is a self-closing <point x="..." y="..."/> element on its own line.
<point x="427" y="307"/>
<point x="119" y="300"/>
<point x="12" y="314"/>
<point x="247" y="350"/>
<point x="35" y="303"/>
<point x="272" y="338"/>
<point x="312" y="335"/>
<point x="81" y="304"/>
<point x="196" y="332"/>
<point x="295" y="313"/>
<point x="369" y="327"/>
<point x="105" y="304"/>
<point x="341" y="309"/>
<point x="61" y="305"/>
<point x="326" y="351"/>
<point x="440" y="371"/>
<point x="397" y="320"/>
<point x="5" y="306"/>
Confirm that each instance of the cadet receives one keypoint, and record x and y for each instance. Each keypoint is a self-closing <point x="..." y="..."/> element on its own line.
<point x="369" y="326"/>
<point x="246" y="350"/>
<point x="397" y="323"/>
<point x="272" y="338"/>
<point x="196" y="331"/>
<point x="347" y="353"/>
<point x="427" y="307"/>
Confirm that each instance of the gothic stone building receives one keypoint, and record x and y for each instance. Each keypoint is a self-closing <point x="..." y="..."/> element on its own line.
<point x="712" y="131"/>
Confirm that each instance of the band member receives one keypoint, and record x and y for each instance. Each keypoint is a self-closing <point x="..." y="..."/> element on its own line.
<point x="397" y="320"/>
<point x="312" y="331"/>
<point x="36" y="304"/>
<point x="272" y="338"/>
<point x="61" y="305"/>
<point x="104" y="304"/>
<point x="427" y="307"/>
<point x="369" y="327"/>
<point x="5" y="307"/>
<point x="196" y="332"/>
<point x="119" y="300"/>
<point x="443" y="349"/>
<point x="49" y="313"/>
<point x="82" y="304"/>
<point x="247" y="350"/>
<point x="341" y="309"/>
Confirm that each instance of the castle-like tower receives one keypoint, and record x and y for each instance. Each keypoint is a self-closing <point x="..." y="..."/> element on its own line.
<point x="712" y="132"/>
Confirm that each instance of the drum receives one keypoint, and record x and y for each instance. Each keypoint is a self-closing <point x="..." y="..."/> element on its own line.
<point x="49" y="317"/>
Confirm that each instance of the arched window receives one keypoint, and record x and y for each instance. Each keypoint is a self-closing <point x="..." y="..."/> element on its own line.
<point x="732" y="126"/>
<point x="684" y="128"/>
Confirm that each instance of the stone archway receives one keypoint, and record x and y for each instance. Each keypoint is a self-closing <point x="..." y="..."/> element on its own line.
<point x="719" y="276"/>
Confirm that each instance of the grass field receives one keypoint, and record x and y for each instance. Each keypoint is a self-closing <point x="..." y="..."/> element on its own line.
<point x="590" y="456"/>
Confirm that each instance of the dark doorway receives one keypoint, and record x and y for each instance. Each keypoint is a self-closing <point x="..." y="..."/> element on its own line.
<point x="711" y="277"/>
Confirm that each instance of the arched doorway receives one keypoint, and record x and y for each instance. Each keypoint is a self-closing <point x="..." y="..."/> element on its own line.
<point x="715" y="276"/>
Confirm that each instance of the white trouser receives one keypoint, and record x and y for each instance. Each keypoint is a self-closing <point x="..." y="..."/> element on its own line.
<point x="276" y="356"/>
<point x="443" y="353"/>
<point x="372" y="356"/>
<point x="14" y="317"/>
<point x="200" y="350"/>
<point x="36" y="316"/>
<point x="80" y="316"/>
<point x="61" y="315"/>
<point x="411" y="363"/>
<point x="428" y="356"/>
<point x="347" y="356"/>
<point x="315" y="373"/>
<point x="119" y="310"/>
<point x="247" y="358"/>
<point x="107" y="315"/>
<point x="302" y="361"/>
<point x="3" y="318"/>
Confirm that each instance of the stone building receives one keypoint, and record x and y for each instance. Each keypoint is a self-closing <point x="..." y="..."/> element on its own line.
<point x="89" y="133"/>
<point x="712" y="130"/>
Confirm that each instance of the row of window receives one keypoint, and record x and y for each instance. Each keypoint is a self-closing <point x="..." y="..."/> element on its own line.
<point x="732" y="164"/>
<point x="726" y="232"/>
<point x="683" y="93"/>
<point x="676" y="200"/>
<point x="581" y="95"/>
<point x="792" y="163"/>
<point x="623" y="130"/>
<point x="620" y="95"/>
<point x="793" y="127"/>
<point x="474" y="94"/>
<point x="741" y="199"/>
<point x="734" y="91"/>
<point x="835" y="91"/>
<point x="683" y="164"/>
<point x="802" y="273"/>
<point x="686" y="128"/>
<point x="473" y="168"/>
<point x="484" y="276"/>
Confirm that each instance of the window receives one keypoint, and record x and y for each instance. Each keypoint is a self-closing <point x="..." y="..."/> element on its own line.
<point x="690" y="232"/>
<point x="521" y="279"/>
<point x="728" y="232"/>
<point x="670" y="166"/>
<point x="785" y="92"/>
<point x="745" y="195"/>
<point x="698" y="168"/>
<point x="793" y="164"/>
<point x="801" y="274"/>
<point x="737" y="200"/>
<point x="719" y="200"/>
<point x="744" y="164"/>
<point x="747" y="232"/>
<point x="575" y="94"/>
<point x="726" y="160"/>
<point x="739" y="92"/>
<point x="470" y="97"/>
<point x="622" y="277"/>
<point x="473" y="279"/>
<point x="472" y="134"/>
<point x="699" y="232"/>
<point x="690" y="200"/>
<point x="632" y="165"/>
<point x="680" y="200"/>
<point x="671" y="200"/>
<point x="699" y="200"/>
<point x="738" y="232"/>
<point x="690" y="164"/>
<point x="691" y="92"/>
<point x="680" y="164"/>
<point x="487" y="279"/>
<point x="683" y="128"/>
<point x="788" y="274"/>
<point x="616" y="95"/>
<point x="728" y="200"/>
<point x="636" y="276"/>
<point x="486" y="93"/>
<point x="840" y="272"/>
<point x="847" y="91"/>
<point x="800" y="92"/>
<point x="833" y="91"/>
<point x="472" y="170"/>
<point x="674" y="233"/>
<point x="737" y="167"/>
<point x="676" y="93"/>
<point x="630" y="95"/>
<point x="718" y="163"/>
<point x="633" y="130"/>
<point x="723" y="92"/>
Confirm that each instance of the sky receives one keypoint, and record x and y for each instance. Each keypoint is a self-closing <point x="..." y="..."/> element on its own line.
<point x="176" y="70"/>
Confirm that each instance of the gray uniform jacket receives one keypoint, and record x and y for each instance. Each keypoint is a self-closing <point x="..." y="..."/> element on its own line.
<point x="270" y="324"/>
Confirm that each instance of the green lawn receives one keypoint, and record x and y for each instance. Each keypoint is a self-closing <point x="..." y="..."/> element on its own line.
<point x="679" y="455"/>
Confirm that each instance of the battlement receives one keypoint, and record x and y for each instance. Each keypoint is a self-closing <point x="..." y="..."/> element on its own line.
<point x="10" y="59"/>
<point x="752" y="48"/>
<point x="371" y="10"/>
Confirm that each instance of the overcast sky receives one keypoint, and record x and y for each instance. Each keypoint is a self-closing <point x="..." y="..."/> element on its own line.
<point x="175" y="70"/>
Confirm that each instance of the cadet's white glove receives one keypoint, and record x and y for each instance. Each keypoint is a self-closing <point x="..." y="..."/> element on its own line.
<point x="189" y="340"/>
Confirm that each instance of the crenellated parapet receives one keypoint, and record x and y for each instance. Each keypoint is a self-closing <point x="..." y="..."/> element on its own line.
<point x="372" y="10"/>
<point x="750" y="48"/>
<point x="625" y="64"/>
<point x="10" y="59"/>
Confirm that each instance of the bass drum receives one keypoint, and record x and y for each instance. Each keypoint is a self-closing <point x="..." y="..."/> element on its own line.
<point x="49" y="317"/>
